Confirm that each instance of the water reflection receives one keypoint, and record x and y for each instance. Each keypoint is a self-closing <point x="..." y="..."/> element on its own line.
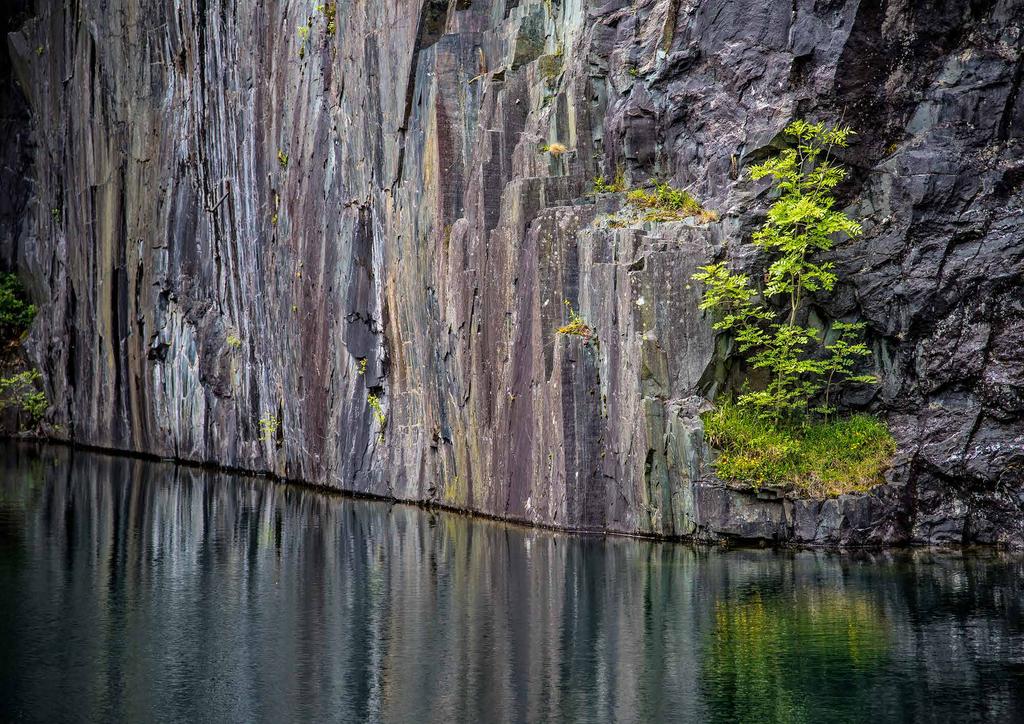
<point x="136" y="590"/>
<point x="770" y="659"/>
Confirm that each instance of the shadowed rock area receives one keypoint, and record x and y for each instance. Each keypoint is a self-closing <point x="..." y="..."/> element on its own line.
<point x="243" y="221"/>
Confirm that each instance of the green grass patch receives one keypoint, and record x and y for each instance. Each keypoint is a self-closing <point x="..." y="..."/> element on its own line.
<point x="615" y="186"/>
<point x="664" y="203"/>
<point x="821" y="459"/>
<point x="661" y="202"/>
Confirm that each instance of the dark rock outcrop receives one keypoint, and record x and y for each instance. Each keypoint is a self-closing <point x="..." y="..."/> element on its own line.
<point x="246" y="219"/>
<point x="15" y="152"/>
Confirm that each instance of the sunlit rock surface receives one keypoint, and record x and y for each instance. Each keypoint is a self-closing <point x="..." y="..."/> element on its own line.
<point x="243" y="220"/>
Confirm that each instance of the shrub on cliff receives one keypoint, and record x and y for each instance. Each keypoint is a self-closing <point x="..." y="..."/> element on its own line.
<point x="21" y="391"/>
<point x="802" y="365"/>
<point x="16" y="312"/>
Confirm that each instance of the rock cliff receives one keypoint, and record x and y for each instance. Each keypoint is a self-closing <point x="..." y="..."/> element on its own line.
<point x="246" y="221"/>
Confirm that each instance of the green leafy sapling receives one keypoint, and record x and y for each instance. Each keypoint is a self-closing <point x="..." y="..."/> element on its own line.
<point x="842" y="358"/>
<point x="802" y="224"/>
<point x="802" y="220"/>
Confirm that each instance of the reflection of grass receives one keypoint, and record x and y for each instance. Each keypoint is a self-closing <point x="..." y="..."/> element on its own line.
<point x="774" y="659"/>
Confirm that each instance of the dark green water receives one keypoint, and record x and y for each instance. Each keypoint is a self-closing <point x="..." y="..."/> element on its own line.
<point x="138" y="591"/>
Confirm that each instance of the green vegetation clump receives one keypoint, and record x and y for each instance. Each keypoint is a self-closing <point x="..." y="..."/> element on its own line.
<point x="269" y="425"/>
<point x="576" y="326"/>
<point x="378" y="410"/>
<point x="771" y="435"/>
<point x="615" y="186"/>
<point x="16" y="312"/>
<point x="821" y="458"/>
<point x="21" y="391"/>
<point x="664" y="203"/>
<point x="330" y="11"/>
<point x="660" y="203"/>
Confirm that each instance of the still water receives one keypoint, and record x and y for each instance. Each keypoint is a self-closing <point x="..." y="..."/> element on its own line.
<point x="141" y="591"/>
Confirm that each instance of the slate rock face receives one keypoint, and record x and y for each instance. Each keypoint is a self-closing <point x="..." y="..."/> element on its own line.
<point x="15" y="153"/>
<point x="246" y="220"/>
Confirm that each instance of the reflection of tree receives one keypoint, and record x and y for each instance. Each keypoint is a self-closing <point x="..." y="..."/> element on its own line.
<point x="811" y="655"/>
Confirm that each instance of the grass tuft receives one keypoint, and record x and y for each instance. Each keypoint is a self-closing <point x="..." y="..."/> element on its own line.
<point x="659" y="203"/>
<point x="820" y="459"/>
<point x="664" y="203"/>
<point x="576" y="326"/>
<point x="615" y="186"/>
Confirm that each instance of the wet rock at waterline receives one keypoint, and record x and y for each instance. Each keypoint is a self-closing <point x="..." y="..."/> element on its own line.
<point x="246" y="222"/>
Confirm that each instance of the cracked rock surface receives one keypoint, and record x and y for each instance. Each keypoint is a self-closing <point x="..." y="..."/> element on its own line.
<point x="244" y="221"/>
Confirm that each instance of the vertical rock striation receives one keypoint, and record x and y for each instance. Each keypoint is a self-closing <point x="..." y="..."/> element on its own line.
<point x="246" y="219"/>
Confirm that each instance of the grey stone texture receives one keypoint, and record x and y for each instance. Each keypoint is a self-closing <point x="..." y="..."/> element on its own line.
<point x="242" y="219"/>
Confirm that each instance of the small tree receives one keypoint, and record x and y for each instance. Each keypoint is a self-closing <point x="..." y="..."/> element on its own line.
<point x="801" y="223"/>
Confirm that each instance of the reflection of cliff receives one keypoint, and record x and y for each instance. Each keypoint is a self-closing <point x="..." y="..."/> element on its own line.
<point x="226" y="598"/>
<point x="246" y="212"/>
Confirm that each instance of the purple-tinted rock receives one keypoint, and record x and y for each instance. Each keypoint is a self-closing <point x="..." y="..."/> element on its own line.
<point x="241" y="224"/>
